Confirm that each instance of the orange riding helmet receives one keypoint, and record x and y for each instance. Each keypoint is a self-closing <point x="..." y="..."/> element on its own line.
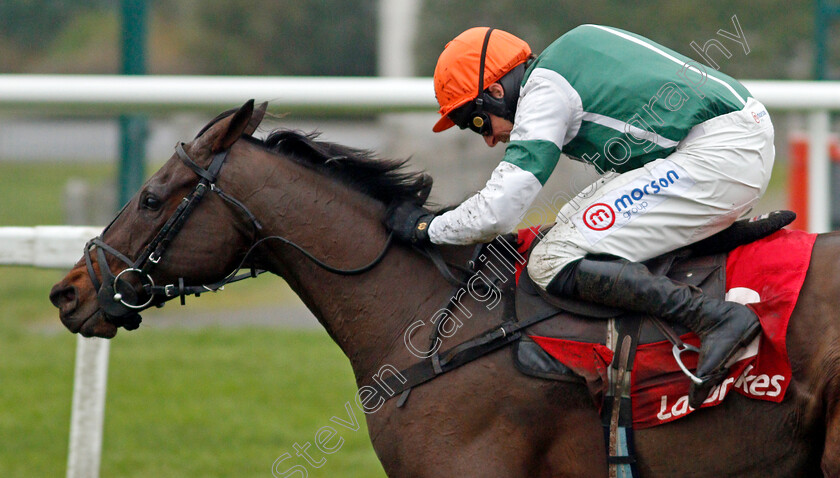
<point x="457" y="71"/>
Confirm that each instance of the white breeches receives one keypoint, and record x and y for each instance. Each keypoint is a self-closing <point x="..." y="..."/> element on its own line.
<point x="716" y="174"/>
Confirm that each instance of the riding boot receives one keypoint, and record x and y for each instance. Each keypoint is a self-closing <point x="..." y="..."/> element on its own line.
<point x="723" y="327"/>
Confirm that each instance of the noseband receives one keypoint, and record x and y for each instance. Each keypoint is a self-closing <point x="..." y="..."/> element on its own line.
<point x="121" y="299"/>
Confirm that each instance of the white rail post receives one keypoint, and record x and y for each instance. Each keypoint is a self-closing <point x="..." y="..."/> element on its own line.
<point x="59" y="247"/>
<point x="819" y="173"/>
<point x="88" y="415"/>
<point x="397" y="29"/>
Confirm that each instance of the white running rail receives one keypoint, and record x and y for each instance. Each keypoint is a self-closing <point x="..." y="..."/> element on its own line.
<point x="59" y="247"/>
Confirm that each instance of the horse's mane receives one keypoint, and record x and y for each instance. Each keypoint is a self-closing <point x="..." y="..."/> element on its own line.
<point x="383" y="179"/>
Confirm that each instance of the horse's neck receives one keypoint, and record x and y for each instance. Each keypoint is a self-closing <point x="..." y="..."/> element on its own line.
<point x="365" y="314"/>
<point x="368" y="314"/>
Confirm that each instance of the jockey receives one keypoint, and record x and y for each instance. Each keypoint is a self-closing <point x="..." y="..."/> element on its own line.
<point x="683" y="150"/>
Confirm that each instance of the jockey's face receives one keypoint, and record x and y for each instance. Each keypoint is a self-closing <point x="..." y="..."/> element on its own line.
<point x="501" y="127"/>
<point x="493" y="128"/>
<point x="501" y="131"/>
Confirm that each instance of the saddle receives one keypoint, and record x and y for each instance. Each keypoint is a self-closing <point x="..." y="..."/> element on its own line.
<point x="593" y="323"/>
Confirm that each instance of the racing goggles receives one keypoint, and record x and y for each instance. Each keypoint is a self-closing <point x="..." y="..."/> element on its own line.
<point x="472" y="116"/>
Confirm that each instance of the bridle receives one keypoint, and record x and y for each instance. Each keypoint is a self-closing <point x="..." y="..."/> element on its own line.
<point x="120" y="299"/>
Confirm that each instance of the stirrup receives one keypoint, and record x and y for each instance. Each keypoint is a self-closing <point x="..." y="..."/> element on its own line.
<point x="678" y="350"/>
<point x="679" y="347"/>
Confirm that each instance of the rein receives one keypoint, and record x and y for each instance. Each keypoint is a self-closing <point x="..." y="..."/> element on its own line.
<point x="119" y="298"/>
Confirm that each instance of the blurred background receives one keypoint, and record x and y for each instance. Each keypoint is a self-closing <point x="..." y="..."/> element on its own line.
<point x="230" y="383"/>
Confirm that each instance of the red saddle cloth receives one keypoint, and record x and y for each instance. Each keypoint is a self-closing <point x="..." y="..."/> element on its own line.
<point x="767" y="275"/>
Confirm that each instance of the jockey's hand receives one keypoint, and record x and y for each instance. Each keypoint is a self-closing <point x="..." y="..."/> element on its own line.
<point x="409" y="222"/>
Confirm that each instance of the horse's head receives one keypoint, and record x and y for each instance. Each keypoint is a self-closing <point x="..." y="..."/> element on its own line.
<point x="180" y="220"/>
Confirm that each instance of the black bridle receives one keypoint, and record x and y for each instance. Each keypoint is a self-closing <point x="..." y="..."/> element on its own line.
<point x="122" y="301"/>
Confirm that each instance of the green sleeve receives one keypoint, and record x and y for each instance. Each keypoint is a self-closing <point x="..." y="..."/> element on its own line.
<point x="539" y="157"/>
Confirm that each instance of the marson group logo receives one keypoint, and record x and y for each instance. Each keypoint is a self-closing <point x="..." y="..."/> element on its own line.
<point x="599" y="217"/>
<point x="639" y="194"/>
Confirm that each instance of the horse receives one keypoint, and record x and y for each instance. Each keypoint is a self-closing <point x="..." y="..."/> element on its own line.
<point x="325" y="204"/>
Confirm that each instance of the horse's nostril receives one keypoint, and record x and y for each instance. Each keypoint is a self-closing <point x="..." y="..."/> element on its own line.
<point x="61" y="296"/>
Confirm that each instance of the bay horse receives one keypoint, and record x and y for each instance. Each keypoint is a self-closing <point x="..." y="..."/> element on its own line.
<point x="483" y="419"/>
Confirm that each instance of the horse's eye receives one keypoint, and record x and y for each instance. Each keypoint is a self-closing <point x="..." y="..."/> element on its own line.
<point x="151" y="202"/>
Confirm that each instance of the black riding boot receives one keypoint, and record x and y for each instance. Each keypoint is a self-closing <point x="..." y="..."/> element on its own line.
<point x="723" y="327"/>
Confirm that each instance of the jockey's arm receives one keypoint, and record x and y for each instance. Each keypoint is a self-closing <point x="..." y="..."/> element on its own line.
<point x="540" y="130"/>
<point x="494" y="210"/>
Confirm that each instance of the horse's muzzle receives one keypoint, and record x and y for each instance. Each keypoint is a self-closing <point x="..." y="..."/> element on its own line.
<point x="82" y="316"/>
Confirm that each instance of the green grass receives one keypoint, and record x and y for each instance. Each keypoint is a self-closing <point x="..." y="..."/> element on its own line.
<point x="180" y="403"/>
<point x="228" y="403"/>
<point x="214" y="402"/>
<point x="31" y="193"/>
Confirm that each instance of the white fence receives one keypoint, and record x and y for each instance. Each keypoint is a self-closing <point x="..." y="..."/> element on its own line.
<point x="57" y="247"/>
<point x="97" y="94"/>
<point x="108" y="93"/>
<point x="60" y="247"/>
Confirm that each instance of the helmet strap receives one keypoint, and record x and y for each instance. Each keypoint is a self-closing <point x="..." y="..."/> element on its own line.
<point x="479" y="117"/>
<point x="504" y="107"/>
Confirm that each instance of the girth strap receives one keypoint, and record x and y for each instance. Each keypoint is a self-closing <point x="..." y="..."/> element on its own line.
<point x="437" y="259"/>
<point x="477" y="347"/>
<point x="617" y="409"/>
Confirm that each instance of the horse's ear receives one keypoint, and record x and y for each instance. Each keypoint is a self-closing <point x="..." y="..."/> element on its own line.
<point x="235" y="127"/>
<point x="423" y="194"/>
<point x="256" y="118"/>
